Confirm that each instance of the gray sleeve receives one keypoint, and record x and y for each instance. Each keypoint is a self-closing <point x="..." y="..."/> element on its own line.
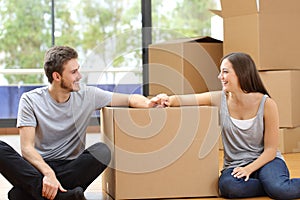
<point x="26" y="115"/>
<point x="100" y="97"/>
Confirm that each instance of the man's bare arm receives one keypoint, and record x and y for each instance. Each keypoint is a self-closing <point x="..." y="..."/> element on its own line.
<point x="50" y="182"/>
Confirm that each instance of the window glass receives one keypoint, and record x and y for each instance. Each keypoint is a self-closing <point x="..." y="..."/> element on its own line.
<point x="24" y="36"/>
<point x="173" y="19"/>
<point x="106" y="33"/>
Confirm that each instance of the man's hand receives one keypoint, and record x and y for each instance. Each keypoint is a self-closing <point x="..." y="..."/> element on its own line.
<point x="160" y="101"/>
<point x="51" y="186"/>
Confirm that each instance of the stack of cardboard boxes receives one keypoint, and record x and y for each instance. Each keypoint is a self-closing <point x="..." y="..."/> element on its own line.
<point x="173" y="152"/>
<point x="269" y="31"/>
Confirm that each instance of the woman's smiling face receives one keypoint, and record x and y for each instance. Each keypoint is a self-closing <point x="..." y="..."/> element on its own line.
<point x="228" y="77"/>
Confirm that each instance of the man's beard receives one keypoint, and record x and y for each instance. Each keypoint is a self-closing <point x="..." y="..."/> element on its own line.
<point x="68" y="87"/>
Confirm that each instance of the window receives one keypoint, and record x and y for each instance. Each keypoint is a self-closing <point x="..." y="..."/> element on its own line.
<point x="106" y="33"/>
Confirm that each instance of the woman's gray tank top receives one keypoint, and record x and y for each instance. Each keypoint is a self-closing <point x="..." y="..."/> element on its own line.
<point x="242" y="146"/>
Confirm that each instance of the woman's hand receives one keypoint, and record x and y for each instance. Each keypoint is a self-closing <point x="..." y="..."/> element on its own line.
<point x="240" y="172"/>
<point x="160" y="100"/>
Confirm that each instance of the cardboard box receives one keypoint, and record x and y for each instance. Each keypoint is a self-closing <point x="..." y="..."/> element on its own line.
<point x="284" y="88"/>
<point x="185" y="66"/>
<point x="289" y="140"/>
<point x="161" y="153"/>
<point x="268" y="30"/>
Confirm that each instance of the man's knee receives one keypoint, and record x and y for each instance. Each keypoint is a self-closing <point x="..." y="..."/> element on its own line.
<point x="17" y="194"/>
<point x="101" y="152"/>
<point x="4" y="147"/>
<point x="6" y="153"/>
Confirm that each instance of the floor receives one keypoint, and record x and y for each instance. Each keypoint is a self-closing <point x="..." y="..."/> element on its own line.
<point x="94" y="191"/>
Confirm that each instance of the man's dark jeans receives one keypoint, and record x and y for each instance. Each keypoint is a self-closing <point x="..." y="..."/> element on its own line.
<point x="27" y="180"/>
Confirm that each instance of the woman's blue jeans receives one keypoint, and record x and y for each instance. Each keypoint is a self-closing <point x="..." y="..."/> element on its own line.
<point x="273" y="180"/>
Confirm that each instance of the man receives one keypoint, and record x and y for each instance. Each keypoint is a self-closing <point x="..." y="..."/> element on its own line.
<point x="52" y="121"/>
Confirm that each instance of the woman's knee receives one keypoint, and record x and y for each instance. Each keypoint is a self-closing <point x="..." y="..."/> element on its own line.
<point x="278" y="190"/>
<point x="229" y="186"/>
<point x="275" y="179"/>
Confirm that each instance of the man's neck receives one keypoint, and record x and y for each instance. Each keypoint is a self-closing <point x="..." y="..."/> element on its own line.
<point x="58" y="94"/>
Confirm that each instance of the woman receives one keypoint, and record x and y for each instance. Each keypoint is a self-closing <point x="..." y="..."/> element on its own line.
<point x="249" y="122"/>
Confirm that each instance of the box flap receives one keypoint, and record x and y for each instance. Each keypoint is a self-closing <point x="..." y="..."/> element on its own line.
<point x="232" y="8"/>
<point x="279" y="6"/>
<point x="200" y="39"/>
<point x="216" y="12"/>
<point x="205" y="39"/>
<point x="237" y="7"/>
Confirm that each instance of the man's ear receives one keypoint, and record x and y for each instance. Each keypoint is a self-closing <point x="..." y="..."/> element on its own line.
<point x="56" y="76"/>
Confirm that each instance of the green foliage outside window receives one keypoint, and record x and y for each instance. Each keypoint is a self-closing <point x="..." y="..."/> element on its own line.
<point x="109" y="28"/>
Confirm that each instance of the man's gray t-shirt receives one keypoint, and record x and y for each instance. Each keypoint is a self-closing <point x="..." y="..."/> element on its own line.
<point x="60" y="127"/>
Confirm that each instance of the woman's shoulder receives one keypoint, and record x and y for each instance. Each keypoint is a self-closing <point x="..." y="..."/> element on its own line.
<point x="270" y="106"/>
<point x="258" y="97"/>
<point x="270" y="102"/>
